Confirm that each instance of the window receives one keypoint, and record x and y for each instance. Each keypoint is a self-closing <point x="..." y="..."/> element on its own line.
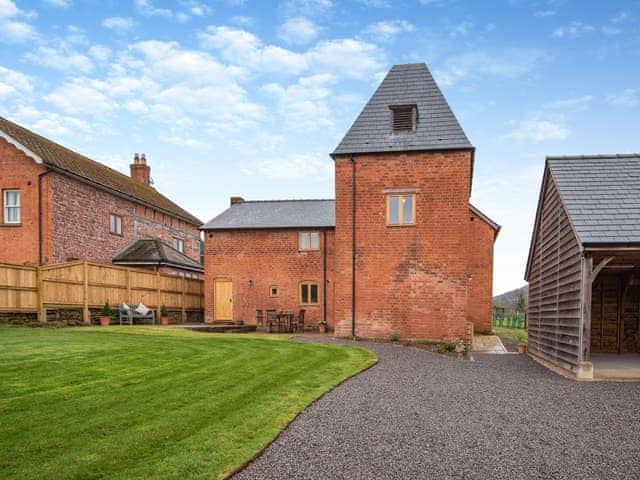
<point x="178" y="244"/>
<point x="273" y="291"/>
<point x="401" y="210"/>
<point x="308" y="241"/>
<point x="11" y="202"/>
<point x="403" y="118"/>
<point x="309" y="293"/>
<point x="115" y="224"/>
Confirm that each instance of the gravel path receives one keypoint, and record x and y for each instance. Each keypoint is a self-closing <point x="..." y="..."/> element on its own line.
<point x="421" y="415"/>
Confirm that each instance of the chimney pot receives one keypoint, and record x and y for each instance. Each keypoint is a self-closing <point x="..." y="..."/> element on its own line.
<point x="236" y="200"/>
<point x="140" y="171"/>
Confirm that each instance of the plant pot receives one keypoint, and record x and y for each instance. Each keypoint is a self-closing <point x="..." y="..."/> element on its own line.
<point x="164" y="320"/>
<point x="522" y="349"/>
<point x="105" y="321"/>
<point x="323" y="328"/>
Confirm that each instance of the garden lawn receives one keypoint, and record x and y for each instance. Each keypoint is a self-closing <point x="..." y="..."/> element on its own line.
<point x="141" y="402"/>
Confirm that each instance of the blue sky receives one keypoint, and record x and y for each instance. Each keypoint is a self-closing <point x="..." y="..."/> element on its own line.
<point x="249" y="97"/>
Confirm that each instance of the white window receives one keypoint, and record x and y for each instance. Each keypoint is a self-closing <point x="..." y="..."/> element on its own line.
<point x="178" y="244"/>
<point x="115" y="224"/>
<point x="401" y="210"/>
<point x="308" y="241"/>
<point x="11" y="202"/>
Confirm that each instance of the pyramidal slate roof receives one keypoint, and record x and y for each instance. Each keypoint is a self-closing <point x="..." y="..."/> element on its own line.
<point x="275" y="214"/>
<point x="154" y="251"/>
<point x="67" y="161"/>
<point x="412" y="84"/>
<point x="601" y="194"/>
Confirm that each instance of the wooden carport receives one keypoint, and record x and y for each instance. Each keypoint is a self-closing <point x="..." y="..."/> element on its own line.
<point x="584" y="262"/>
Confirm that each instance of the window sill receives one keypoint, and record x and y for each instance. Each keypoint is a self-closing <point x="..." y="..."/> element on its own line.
<point x="309" y="305"/>
<point x="401" y="225"/>
<point x="307" y="250"/>
<point x="116" y="234"/>
<point x="10" y="224"/>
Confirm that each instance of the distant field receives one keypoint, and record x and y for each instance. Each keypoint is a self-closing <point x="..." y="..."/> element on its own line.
<point x="152" y="403"/>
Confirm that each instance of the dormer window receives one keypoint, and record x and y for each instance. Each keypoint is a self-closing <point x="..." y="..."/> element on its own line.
<point x="404" y="118"/>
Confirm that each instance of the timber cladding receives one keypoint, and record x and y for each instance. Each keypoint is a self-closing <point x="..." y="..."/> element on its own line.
<point x="555" y="276"/>
<point x="89" y="285"/>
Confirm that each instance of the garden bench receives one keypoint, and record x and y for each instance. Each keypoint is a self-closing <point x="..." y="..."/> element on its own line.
<point x="130" y="315"/>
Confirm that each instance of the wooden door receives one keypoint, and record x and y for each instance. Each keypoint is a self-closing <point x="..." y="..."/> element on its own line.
<point x="606" y="315"/>
<point x="223" y="294"/>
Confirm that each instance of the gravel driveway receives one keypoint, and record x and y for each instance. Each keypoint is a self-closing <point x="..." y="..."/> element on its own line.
<point x="421" y="415"/>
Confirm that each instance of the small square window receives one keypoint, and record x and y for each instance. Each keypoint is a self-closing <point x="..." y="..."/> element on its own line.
<point x="401" y="210"/>
<point x="178" y="244"/>
<point x="308" y="241"/>
<point x="309" y="293"/>
<point x="273" y="291"/>
<point x="11" y="202"/>
<point x="115" y="224"/>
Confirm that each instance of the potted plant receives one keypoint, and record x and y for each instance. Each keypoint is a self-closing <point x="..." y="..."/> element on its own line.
<point x="322" y="326"/>
<point x="164" y="315"/>
<point x="522" y="344"/>
<point x="105" y="315"/>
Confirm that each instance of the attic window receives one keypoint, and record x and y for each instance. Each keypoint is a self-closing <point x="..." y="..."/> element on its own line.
<point x="403" y="118"/>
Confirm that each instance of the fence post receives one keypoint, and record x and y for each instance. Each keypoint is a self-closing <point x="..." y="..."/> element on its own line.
<point x="128" y="280"/>
<point x="158" y="302"/>
<point x="41" y="314"/>
<point x="183" y="314"/>
<point x="86" y="316"/>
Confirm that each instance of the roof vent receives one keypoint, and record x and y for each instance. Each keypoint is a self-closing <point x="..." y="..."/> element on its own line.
<point x="404" y="118"/>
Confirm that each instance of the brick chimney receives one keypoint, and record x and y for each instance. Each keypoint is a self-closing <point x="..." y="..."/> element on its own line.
<point x="236" y="200"/>
<point x="140" y="171"/>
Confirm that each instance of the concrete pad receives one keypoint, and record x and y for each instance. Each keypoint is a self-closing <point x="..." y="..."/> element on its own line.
<point x="611" y="366"/>
<point x="488" y="344"/>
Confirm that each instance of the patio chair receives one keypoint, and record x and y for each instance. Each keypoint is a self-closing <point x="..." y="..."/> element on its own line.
<point x="299" y="323"/>
<point x="259" y="319"/>
<point x="272" y="319"/>
<point x="130" y="315"/>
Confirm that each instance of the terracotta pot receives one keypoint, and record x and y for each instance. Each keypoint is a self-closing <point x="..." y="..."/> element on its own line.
<point x="323" y="328"/>
<point x="105" y="321"/>
<point x="522" y="349"/>
<point x="164" y="320"/>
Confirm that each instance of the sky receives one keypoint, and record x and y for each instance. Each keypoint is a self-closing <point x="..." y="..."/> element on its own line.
<point x="248" y="97"/>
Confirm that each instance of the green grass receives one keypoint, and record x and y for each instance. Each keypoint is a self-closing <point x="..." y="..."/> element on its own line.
<point x="514" y="334"/>
<point x="140" y="403"/>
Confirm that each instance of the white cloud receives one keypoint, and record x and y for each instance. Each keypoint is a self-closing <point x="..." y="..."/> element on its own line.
<point x="100" y="52"/>
<point x="119" y="24"/>
<point x="628" y="98"/>
<point x="307" y="8"/>
<point x="576" y="104"/>
<point x="242" y="20"/>
<point x="49" y="123"/>
<point x="538" y="129"/>
<point x="506" y="63"/>
<point x="576" y="29"/>
<point x="11" y="29"/>
<point x="348" y="57"/>
<point x="376" y="3"/>
<point x="61" y="59"/>
<point x="610" y="30"/>
<point x="298" y="30"/>
<point x="437" y="3"/>
<point x="388" y="29"/>
<point x="146" y="7"/>
<point x="136" y="106"/>
<point x="59" y="3"/>
<point x="14" y="83"/>
<point x="187" y="142"/>
<point x="77" y="96"/>
<point x="544" y="13"/>
<point x="461" y="29"/>
<point x="621" y="17"/>
<point x="293" y="166"/>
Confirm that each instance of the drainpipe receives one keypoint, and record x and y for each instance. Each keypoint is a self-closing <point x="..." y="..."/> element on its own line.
<point x="324" y="276"/>
<point x="40" y="215"/>
<point x="353" y="247"/>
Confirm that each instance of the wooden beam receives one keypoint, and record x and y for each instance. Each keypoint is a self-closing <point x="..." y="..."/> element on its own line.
<point x="584" y="353"/>
<point x="86" y="317"/>
<point x="598" y="269"/>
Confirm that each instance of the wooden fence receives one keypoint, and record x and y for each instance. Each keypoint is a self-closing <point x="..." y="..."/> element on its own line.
<point x="85" y="285"/>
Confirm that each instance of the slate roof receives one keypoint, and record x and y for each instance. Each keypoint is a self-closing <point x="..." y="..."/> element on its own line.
<point x="275" y="214"/>
<point x="437" y="126"/>
<point x="601" y="194"/>
<point x="67" y="161"/>
<point x="155" y="251"/>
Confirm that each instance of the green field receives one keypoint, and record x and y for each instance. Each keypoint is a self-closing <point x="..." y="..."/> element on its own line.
<point x="141" y="402"/>
<point x="514" y="334"/>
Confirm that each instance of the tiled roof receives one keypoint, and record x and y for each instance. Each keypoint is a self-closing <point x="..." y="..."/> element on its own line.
<point x="437" y="127"/>
<point x="154" y="251"/>
<point x="275" y="214"/>
<point x="68" y="161"/>
<point x="601" y="194"/>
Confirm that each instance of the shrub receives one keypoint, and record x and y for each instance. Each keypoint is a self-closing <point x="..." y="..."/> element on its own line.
<point x="394" y="337"/>
<point x="446" y="347"/>
<point x="163" y="311"/>
<point x="106" y="310"/>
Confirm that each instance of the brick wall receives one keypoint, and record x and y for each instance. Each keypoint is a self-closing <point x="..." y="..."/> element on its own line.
<point x="411" y="280"/>
<point x="480" y="297"/>
<point x="256" y="260"/>
<point x="19" y="244"/>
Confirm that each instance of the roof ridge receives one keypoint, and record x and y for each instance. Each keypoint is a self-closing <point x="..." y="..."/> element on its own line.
<point x="593" y="156"/>
<point x="290" y="200"/>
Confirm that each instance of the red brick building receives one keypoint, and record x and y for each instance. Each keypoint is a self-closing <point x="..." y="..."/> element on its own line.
<point x="58" y="205"/>
<point x="401" y="250"/>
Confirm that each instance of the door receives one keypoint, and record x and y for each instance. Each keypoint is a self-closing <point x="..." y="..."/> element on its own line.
<point x="606" y="315"/>
<point x="223" y="294"/>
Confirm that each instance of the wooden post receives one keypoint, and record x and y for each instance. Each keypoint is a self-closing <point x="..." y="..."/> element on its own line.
<point x="86" y="316"/>
<point x="159" y="301"/>
<point x="41" y="313"/>
<point x="128" y="280"/>
<point x="183" y="314"/>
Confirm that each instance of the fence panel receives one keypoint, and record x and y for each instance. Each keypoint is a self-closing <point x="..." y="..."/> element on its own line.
<point x="18" y="288"/>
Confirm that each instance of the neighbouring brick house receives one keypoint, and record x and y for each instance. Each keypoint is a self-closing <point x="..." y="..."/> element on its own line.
<point x="58" y="206"/>
<point x="400" y="250"/>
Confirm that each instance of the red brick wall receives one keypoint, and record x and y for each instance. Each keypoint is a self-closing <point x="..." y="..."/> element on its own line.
<point x="267" y="257"/>
<point x="19" y="244"/>
<point x="410" y="280"/>
<point x="480" y="298"/>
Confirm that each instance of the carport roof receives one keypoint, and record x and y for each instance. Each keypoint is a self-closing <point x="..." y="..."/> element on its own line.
<point x="601" y="195"/>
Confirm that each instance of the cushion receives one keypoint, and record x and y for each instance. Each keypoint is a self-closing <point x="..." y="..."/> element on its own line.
<point x="142" y="309"/>
<point x="124" y="307"/>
